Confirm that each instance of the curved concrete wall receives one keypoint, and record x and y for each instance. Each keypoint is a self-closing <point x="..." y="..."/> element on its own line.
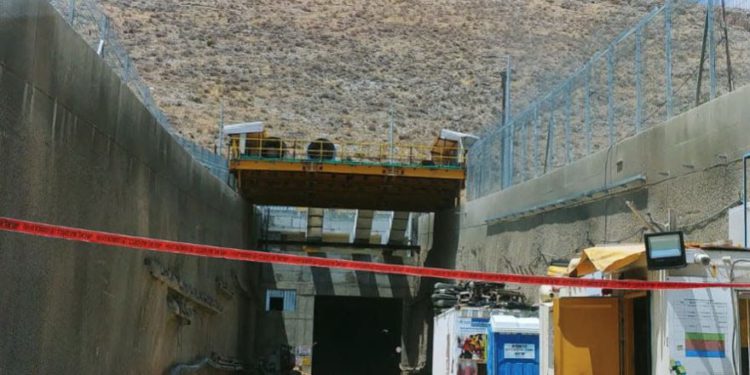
<point x="77" y="148"/>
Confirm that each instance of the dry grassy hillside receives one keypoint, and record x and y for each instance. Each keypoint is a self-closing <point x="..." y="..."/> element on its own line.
<point x="334" y="68"/>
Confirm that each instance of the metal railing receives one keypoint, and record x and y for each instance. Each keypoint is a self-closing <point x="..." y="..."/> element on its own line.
<point x="441" y="155"/>
<point x="678" y="56"/>
<point x="89" y="20"/>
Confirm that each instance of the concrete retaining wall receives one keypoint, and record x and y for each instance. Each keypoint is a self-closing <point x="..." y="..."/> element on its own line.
<point x="691" y="164"/>
<point x="77" y="148"/>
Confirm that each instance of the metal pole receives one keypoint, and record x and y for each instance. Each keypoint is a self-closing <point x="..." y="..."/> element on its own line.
<point x="104" y="32"/>
<point x="611" y="93"/>
<point x="668" y="57"/>
<point x="702" y="60"/>
<point x="502" y="132"/>
<point x="72" y="11"/>
<point x="568" y="114"/>
<point x="126" y="70"/>
<point x="524" y="135"/>
<point x="506" y="95"/>
<point x="730" y="78"/>
<point x="638" y="79"/>
<point x="711" y="49"/>
<point x="587" y="109"/>
<point x="549" y="159"/>
<point x="537" y="126"/>
<point x="508" y="131"/>
<point x="221" y="127"/>
<point x="744" y="194"/>
<point x="390" y="135"/>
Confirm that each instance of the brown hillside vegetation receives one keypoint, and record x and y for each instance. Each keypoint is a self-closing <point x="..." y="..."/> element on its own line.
<point x="335" y="68"/>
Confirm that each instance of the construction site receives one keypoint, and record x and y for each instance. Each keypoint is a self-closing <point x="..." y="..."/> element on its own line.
<point x="216" y="187"/>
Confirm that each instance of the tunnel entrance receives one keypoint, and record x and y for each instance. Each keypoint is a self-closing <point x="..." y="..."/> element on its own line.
<point x="356" y="335"/>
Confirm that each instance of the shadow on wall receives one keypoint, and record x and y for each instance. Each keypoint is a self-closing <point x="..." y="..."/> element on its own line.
<point x="419" y="323"/>
<point x="445" y="240"/>
<point x="368" y="284"/>
<point x="594" y="210"/>
<point x="399" y="283"/>
<point x="322" y="278"/>
<point x="271" y="335"/>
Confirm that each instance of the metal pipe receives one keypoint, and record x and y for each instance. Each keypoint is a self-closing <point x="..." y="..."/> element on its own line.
<point x="744" y="194"/>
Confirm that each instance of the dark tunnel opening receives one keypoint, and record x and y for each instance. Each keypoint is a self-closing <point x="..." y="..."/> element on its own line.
<point x="356" y="335"/>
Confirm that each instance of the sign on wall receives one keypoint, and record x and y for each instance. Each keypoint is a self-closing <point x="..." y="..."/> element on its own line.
<point x="519" y="351"/>
<point x="472" y="344"/>
<point x="700" y="323"/>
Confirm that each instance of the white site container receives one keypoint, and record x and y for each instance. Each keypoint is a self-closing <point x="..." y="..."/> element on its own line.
<point x="736" y="219"/>
<point x="546" y="344"/>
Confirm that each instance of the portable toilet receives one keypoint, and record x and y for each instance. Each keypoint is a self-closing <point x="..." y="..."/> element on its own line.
<point x="513" y="345"/>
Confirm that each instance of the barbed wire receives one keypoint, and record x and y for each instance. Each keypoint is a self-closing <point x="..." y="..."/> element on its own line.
<point x="87" y="17"/>
<point x="641" y="78"/>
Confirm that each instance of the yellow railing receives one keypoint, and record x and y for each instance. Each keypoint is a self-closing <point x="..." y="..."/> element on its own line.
<point x="442" y="153"/>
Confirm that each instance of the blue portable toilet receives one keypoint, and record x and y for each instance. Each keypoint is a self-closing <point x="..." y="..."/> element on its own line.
<point x="513" y="345"/>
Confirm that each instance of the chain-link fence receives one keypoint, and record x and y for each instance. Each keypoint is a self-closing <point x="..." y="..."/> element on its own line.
<point x="89" y="20"/>
<point x="676" y="57"/>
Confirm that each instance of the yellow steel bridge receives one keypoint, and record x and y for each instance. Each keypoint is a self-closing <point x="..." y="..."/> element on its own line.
<point x="319" y="173"/>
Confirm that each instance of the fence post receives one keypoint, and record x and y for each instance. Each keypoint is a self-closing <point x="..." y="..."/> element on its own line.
<point x="638" y="78"/>
<point x="550" y="157"/>
<point x="711" y="48"/>
<point x="587" y="108"/>
<point x="568" y="114"/>
<point x="537" y="156"/>
<point x="103" y="33"/>
<point x="668" y="57"/>
<point x="126" y="69"/>
<point x="611" y="93"/>
<point x="72" y="11"/>
<point x="524" y="135"/>
<point x="507" y="133"/>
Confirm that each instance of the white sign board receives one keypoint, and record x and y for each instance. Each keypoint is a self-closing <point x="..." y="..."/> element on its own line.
<point x="519" y="351"/>
<point x="472" y="339"/>
<point x="700" y="323"/>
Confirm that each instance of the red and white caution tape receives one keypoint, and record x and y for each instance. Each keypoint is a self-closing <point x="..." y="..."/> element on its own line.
<point x="183" y="248"/>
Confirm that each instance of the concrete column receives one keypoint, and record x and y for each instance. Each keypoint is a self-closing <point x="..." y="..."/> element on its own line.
<point x="398" y="228"/>
<point x="363" y="229"/>
<point x="314" y="224"/>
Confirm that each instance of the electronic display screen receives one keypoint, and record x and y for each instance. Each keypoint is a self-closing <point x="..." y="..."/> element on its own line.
<point x="665" y="250"/>
<point x="665" y="246"/>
